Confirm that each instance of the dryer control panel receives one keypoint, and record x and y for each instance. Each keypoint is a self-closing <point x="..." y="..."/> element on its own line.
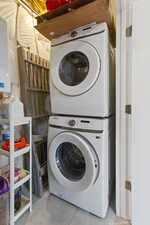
<point x="79" y="123"/>
<point x="80" y="32"/>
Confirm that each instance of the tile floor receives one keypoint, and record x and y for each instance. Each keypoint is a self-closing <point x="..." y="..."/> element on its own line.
<point x="52" y="211"/>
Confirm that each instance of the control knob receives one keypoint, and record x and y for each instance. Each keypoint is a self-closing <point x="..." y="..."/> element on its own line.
<point x="74" y="34"/>
<point x="72" y="123"/>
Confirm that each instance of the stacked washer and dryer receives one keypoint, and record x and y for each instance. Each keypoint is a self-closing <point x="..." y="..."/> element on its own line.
<point x="81" y="128"/>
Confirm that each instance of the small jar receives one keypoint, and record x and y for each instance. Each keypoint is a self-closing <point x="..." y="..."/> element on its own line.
<point x="6" y="133"/>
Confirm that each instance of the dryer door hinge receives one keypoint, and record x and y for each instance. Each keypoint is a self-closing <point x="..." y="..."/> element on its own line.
<point x="128" y="185"/>
<point x="129" y="31"/>
<point x="128" y="109"/>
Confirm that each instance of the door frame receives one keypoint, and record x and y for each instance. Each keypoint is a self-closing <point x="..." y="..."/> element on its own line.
<point x="121" y="101"/>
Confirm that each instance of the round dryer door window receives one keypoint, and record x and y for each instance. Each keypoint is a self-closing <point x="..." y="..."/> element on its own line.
<point x="73" y="161"/>
<point x="75" y="67"/>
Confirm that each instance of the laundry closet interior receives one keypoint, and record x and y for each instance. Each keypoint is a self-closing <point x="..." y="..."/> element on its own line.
<point x="60" y="120"/>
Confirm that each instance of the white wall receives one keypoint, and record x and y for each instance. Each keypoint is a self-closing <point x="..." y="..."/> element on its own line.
<point x="141" y="113"/>
<point x="20" y="28"/>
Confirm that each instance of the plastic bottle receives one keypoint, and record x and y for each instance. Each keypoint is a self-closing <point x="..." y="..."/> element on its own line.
<point x="6" y="133"/>
<point x="4" y="106"/>
<point x="16" y="108"/>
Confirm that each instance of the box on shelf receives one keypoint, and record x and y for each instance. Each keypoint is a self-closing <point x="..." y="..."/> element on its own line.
<point x="76" y="14"/>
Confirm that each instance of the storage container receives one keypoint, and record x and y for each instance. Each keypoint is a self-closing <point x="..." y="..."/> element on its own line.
<point x="4" y="202"/>
<point x="53" y="4"/>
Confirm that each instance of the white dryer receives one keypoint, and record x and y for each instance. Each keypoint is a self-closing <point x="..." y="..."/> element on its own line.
<point x="81" y="77"/>
<point x="79" y="152"/>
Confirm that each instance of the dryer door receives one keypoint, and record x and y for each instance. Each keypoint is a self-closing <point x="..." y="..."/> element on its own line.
<point x="75" y="67"/>
<point x="73" y="161"/>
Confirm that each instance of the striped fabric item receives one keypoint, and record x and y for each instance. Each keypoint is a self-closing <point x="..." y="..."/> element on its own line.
<point x="38" y="5"/>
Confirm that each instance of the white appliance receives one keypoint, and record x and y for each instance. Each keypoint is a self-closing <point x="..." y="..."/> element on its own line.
<point x="4" y="76"/>
<point x="79" y="152"/>
<point x="81" y="78"/>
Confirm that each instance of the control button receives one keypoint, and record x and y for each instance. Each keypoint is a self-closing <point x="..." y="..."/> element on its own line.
<point x="72" y="123"/>
<point x="74" y="33"/>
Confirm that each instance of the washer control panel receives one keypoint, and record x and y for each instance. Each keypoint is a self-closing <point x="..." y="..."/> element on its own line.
<point x="78" y="123"/>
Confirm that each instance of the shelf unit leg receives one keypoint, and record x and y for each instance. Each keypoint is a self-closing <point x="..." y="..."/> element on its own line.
<point x="12" y="174"/>
<point x="30" y="132"/>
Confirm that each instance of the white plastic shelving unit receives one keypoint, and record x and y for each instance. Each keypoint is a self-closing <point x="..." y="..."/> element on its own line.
<point x="13" y="154"/>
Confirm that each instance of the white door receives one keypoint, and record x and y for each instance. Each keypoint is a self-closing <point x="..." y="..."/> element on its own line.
<point x="75" y="67"/>
<point x="73" y="161"/>
<point x="141" y="113"/>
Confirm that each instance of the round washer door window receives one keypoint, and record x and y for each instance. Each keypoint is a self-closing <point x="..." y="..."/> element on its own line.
<point x="70" y="161"/>
<point x="75" y="67"/>
<point x="73" y="161"/>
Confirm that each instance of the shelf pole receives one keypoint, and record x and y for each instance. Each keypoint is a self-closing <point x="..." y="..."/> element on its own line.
<point x="30" y="133"/>
<point x="12" y="174"/>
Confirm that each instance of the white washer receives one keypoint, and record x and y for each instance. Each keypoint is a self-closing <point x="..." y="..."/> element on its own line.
<point x="80" y="77"/>
<point x="79" y="152"/>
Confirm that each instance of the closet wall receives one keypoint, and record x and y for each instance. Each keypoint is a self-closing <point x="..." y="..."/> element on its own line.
<point x="21" y="31"/>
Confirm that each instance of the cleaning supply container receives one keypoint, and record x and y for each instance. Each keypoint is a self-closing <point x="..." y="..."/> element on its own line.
<point x="4" y="201"/>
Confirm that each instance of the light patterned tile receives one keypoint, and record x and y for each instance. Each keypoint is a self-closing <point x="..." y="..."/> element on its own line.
<point x="49" y="211"/>
<point x="53" y="211"/>
<point x="85" y="218"/>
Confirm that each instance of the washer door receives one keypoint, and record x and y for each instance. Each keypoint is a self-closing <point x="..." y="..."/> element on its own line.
<point x="75" y="67"/>
<point x="73" y="162"/>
